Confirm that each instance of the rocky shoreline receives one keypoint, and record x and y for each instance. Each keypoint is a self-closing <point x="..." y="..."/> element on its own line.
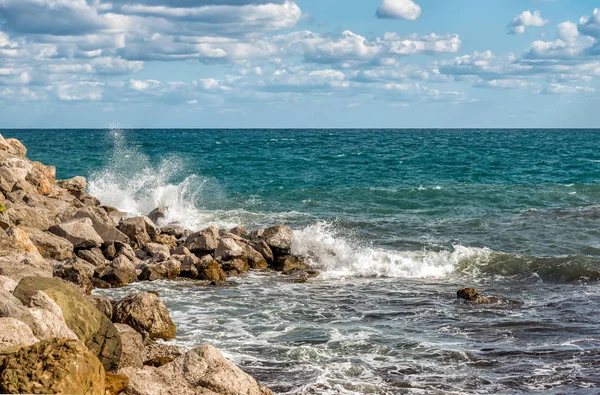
<point x="58" y="243"/>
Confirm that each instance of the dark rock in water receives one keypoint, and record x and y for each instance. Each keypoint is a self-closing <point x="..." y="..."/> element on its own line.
<point x="289" y="263"/>
<point x="472" y="296"/>
<point x="239" y="265"/>
<point x="209" y="269"/>
<point x="279" y="238"/>
<point x="264" y="249"/>
<point x="255" y="259"/>
<point x="189" y="266"/>
<point x="55" y="366"/>
<point x="82" y="317"/>
<point x="144" y="311"/>
<point x="157" y="214"/>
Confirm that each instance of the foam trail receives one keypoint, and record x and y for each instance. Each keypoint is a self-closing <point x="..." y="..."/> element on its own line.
<point x="339" y="259"/>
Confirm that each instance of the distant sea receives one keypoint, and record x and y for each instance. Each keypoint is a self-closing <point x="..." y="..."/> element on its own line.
<point x="397" y="221"/>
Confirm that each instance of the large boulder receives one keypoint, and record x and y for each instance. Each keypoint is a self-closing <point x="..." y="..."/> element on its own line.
<point x="119" y="273"/>
<point x="14" y="332"/>
<point x="80" y="232"/>
<point x="157" y="214"/>
<point x="77" y="273"/>
<point x="144" y="311"/>
<point x="163" y="269"/>
<point x="210" y="270"/>
<point x="75" y="186"/>
<point x="279" y="238"/>
<point x="50" y="245"/>
<point x="30" y="217"/>
<point x="56" y="366"/>
<point x="134" y="353"/>
<point x="289" y="263"/>
<point x="255" y="259"/>
<point x="103" y="224"/>
<point x="155" y="248"/>
<point x="204" y="241"/>
<point x="201" y="371"/>
<point x="86" y="321"/>
<point x="228" y="249"/>
<point x="93" y="257"/>
<point x="139" y="229"/>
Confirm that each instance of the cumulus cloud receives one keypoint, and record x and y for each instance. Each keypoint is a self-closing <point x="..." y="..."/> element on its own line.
<point x="524" y="19"/>
<point x="398" y="9"/>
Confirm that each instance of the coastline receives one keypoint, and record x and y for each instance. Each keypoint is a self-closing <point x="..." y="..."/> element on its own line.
<point x="58" y="243"/>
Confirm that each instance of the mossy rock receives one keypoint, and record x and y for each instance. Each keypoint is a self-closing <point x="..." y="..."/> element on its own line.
<point x="2" y="209"/>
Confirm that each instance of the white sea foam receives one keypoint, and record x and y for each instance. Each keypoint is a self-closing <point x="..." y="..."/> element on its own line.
<point x="339" y="258"/>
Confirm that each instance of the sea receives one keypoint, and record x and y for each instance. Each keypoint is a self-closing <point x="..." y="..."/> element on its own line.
<point x="396" y="221"/>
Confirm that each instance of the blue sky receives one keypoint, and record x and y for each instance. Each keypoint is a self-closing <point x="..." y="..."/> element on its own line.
<point x="302" y="63"/>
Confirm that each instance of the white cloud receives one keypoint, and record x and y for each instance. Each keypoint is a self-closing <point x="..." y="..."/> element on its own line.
<point x="526" y="18"/>
<point x="398" y="9"/>
<point x="567" y="89"/>
<point x="568" y="31"/>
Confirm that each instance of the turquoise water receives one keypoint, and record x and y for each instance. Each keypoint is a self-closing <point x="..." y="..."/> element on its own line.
<point x="397" y="220"/>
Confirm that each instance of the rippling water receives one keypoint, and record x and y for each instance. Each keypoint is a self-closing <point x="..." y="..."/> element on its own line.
<point x="397" y="221"/>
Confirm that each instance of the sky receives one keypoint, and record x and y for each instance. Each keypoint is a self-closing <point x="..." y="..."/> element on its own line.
<point x="300" y="63"/>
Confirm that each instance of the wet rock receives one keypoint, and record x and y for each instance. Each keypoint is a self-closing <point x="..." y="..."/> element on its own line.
<point x="228" y="249"/>
<point x="289" y="263"/>
<point x="49" y="245"/>
<point x="202" y="370"/>
<point x="120" y="272"/>
<point x="80" y="232"/>
<point x="75" y="186"/>
<point x="204" y="241"/>
<point x="134" y="351"/>
<point x="167" y="269"/>
<point x="209" y="269"/>
<point x="235" y="266"/>
<point x="144" y="311"/>
<point x="471" y="295"/>
<point x="55" y="366"/>
<point x="157" y="214"/>
<point x="86" y="321"/>
<point x="14" y="332"/>
<point x="154" y="249"/>
<point x="279" y="238"/>
<point x="139" y="229"/>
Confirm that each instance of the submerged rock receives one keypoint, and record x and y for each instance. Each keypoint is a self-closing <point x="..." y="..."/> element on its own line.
<point x="144" y="311"/>
<point x="56" y="366"/>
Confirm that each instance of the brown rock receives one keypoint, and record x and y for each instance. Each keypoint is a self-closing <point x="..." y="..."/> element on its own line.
<point x="80" y="232"/>
<point x="120" y="272"/>
<point x="14" y="332"/>
<point x="255" y="259"/>
<point x="157" y="214"/>
<point x="75" y="186"/>
<point x="93" y="257"/>
<point x="145" y="312"/>
<point x="167" y="269"/>
<point x="239" y="265"/>
<point x="167" y="240"/>
<point x="279" y="238"/>
<point x="289" y="263"/>
<point x="209" y="269"/>
<point x="134" y="352"/>
<point x="115" y="383"/>
<point x="103" y="304"/>
<point x="264" y="249"/>
<point x="155" y="248"/>
<point x="203" y="241"/>
<point x="75" y="273"/>
<point x="139" y="229"/>
<point x="228" y="249"/>
<point x="50" y="245"/>
<point x="103" y="224"/>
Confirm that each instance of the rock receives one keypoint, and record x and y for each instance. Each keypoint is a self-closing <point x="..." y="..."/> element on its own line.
<point x="90" y="201"/>
<point x="145" y="312"/>
<point x="157" y="362"/>
<point x="175" y="230"/>
<point x="139" y="229"/>
<point x="14" y="332"/>
<point x="200" y="371"/>
<point x="115" y="383"/>
<point x="134" y="352"/>
<point x="188" y="266"/>
<point x="169" y="269"/>
<point x="204" y="241"/>
<point x="103" y="224"/>
<point x="101" y="284"/>
<point x="103" y="304"/>
<point x="75" y="186"/>
<point x="236" y="266"/>
<point x="17" y="147"/>
<point x="141" y="254"/>
<point x="7" y="284"/>
<point x="50" y="245"/>
<point x="181" y="250"/>
<point x="21" y="242"/>
<point x="158" y="353"/>
<point x="289" y="263"/>
<point x="209" y="269"/>
<point x="75" y="273"/>
<point x="264" y="249"/>
<point x="228" y="249"/>
<point x="279" y="238"/>
<point x="86" y="321"/>
<point x="30" y="217"/>
<point x="167" y="240"/>
<point x="239" y="231"/>
<point x="93" y="257"/>
<point x="255" y="259"/>
<point x="49" y="325"/>
<point x="471" y="295"/>
<point x="154" y="249"/>
<point x="157" y="214"/>
<point x="80" y="232"/>
<point x="119" y="273"/>
<point x="114" y="214"/>
<point x="55" y="366"/>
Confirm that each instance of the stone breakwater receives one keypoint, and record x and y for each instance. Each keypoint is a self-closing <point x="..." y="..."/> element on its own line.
<point x="57" y="243"/>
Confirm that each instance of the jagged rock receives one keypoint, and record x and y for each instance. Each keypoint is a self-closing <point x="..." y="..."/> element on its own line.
<point x="75" y="186"/>
<point x="209" y="269"/>
<point x="169" y="269"/>
<point x="175" y="230"/>
<point x="181" y="250"/>
<point x="235" y="266"/>
<point x="239" y="231"/>
<point x="142" y="255"/>
<point x="289" y="263"/>
<point x="204" y="241"/>
<point x="154" y="249"/>
<point x="90" y="201"/>
<point x="228" y="249"/>
<point x="86" y="321"/>
<point x="114" y="214"/>
<point x="30" y="217"/>
<point x="157" y="214"/>
<point x="166" y="240"/>
<point x="255" y="259"/>
<point x="80" y="232"/>
<point x="145" y="312"/>
<point x="102" y="224"/>
<point x="201" y="371"/>
<point x="156" y="353"/>
<point x="134" y="352"/>
<point x="75" y="273"/>
<point x="120" y="272"/>
<point x="139" y="229"/>
<point x="93" y="257"/>
<point x="50" y="245"/>
<point x="188" y="266"/>
<point x="21" y="242"/>
<point x="103" y="304"/>
<point x="279" y="238"/>
<point x="14" y="332"/>
<point x="17" y="147"/>
<point x="7" y="284"/>
<point x="101" y="284"/>
<point x="115" y="383"/>
<point x="264" y="249"/>
<point x="56" y="366"/>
